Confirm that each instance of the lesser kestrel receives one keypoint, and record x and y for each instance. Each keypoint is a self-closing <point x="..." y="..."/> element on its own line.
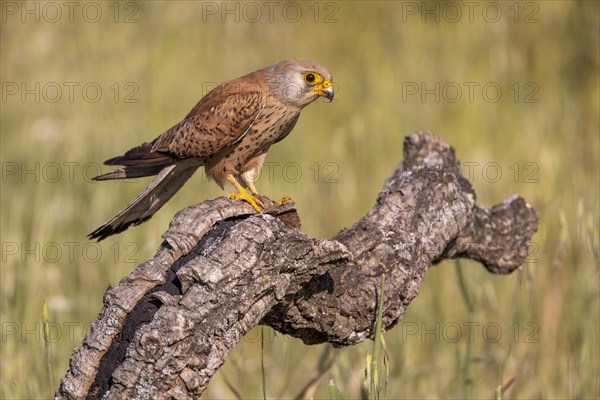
<point x="228" y="132"/>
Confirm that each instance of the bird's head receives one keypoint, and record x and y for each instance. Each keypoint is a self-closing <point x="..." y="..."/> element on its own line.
<point x="299" y="81"/>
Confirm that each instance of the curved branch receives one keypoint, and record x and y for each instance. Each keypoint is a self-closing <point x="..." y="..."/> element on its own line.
<point x="222" y="269"/>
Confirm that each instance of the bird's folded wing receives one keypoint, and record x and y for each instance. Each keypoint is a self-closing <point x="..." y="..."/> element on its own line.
<point x="219" y="120"/>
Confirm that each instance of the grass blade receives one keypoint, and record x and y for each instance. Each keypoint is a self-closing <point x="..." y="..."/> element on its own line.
<point x="468" y="362"/>
<point x="47" y="349"/>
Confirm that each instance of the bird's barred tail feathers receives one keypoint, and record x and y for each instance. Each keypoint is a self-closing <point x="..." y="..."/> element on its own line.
<point x="168" y="181"/>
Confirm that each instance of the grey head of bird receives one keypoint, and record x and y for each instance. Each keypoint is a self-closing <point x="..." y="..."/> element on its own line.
<point x="299" y="81"/>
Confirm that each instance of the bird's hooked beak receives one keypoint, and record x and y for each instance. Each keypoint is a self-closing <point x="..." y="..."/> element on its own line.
<point x="325" y="89"/>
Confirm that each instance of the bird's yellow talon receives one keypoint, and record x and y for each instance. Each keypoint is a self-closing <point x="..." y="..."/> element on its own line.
<point x="243" y="195"/>
<point x="283" y="200"/>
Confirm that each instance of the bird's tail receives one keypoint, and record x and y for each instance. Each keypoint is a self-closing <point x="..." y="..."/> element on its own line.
<point x="169" y="180"/>
<point x="138" y="162"/>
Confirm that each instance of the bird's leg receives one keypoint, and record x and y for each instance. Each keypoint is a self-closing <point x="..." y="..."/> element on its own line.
<point x="249" y="179"/>
<point x="251" y="175"/>
<point x="243" y="194"/>
<point x="252" y="171"/>
<point x="251" y="187"/>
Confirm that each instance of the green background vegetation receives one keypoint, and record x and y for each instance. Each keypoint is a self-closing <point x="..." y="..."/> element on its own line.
<point x="538" y="327"/>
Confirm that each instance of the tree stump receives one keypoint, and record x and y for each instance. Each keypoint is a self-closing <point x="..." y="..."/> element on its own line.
<point x="222" y="269"/>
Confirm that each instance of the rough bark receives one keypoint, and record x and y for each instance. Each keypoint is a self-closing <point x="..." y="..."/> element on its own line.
<point x="223" y="269"/>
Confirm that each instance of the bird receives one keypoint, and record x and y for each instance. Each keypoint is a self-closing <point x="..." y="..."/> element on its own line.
<point x="228" y="132"/>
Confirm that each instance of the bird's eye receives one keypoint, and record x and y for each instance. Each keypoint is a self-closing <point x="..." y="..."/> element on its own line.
<point x="309" y="77"/>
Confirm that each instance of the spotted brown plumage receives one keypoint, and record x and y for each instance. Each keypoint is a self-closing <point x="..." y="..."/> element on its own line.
<point x="228" y="132"/>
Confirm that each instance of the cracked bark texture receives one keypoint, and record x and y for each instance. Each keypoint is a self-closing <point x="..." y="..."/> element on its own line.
<point x="222" y="269"/>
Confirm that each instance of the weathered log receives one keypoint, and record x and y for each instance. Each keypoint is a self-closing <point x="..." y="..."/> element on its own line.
<point x="223" y="269"/>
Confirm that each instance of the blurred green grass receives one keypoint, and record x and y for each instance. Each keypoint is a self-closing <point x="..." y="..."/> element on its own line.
<point x="546" y="150"/>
